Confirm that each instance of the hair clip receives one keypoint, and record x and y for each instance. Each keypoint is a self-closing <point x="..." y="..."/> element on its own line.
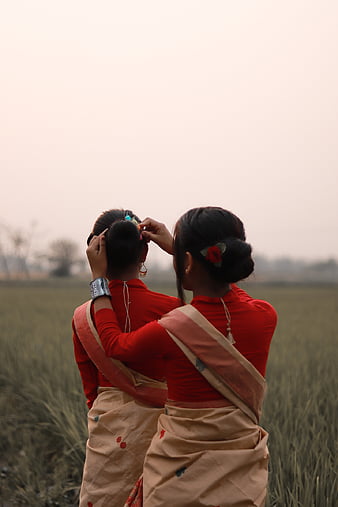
<point x="214" y="253"/>
<point x="131" y="219"/>
<point x="134" y="221"/>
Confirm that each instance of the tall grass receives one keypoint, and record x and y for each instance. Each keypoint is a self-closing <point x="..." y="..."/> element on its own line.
<point x="43" y="413"/>
<point x="300" y="411"/>
<point x="42" y="406"/>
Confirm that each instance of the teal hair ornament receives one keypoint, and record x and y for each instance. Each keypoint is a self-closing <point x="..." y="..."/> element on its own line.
<point x="133" y="221"/>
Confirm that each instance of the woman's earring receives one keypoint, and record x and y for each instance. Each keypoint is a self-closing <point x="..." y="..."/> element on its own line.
<point x="143" y="270"/>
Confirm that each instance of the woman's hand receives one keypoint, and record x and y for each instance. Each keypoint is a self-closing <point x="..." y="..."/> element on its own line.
<point x="97" y="256"/>
<point x="158" y="233"/>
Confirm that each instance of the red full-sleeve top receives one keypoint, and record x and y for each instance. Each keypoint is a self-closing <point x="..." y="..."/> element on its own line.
<point x="253" y="323"/>
<point x="144" y="306"/>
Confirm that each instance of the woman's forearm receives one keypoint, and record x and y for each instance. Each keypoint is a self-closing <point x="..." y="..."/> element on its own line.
<point x="141" y="343"/>
<point x="102" y="303"/>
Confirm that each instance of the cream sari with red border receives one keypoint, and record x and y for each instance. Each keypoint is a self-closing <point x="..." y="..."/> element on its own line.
<point x="121" y="423"/>
<point x="206" y="454"/>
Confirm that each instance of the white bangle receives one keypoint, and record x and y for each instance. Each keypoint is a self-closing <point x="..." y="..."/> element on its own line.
<point x="99" y="287"/>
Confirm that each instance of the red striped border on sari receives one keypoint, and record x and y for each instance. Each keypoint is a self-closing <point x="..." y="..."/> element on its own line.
<point x="132" y="383"/>
<point x="216" y="359"/>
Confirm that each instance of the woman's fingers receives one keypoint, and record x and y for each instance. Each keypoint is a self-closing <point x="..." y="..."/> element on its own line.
<point x="152" y="230"/>
<point x="93" y="244"/>
<point x="96" y="254"/>
<point x="102" y="241"/>
<point x="151" y="225"/>
<point x="97" y="242"/>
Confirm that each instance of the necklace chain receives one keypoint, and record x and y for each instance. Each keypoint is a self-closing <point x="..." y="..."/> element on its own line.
<point x="228" y="316"/>
<point x="126" y="302"/>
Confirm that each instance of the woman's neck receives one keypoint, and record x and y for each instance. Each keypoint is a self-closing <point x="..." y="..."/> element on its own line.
<point x="198" y="281"/>
<point x="212" y="292"/>
<point x="128" y="274"/>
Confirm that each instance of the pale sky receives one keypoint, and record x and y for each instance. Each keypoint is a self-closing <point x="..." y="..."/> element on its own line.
<point x="163" y="106"/>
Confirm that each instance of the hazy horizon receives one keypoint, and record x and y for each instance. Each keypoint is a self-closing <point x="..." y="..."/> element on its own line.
<point x="161" y="107"/>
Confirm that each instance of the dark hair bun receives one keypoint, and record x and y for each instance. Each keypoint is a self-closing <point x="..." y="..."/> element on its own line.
<point x="237" y="262"/>
<point x="123" y="244"/>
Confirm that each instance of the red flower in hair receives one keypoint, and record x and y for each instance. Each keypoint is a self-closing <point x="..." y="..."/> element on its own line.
<point x="214" y="254"/>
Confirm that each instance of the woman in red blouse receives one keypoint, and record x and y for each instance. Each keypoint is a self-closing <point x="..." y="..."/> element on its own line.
<point x="209" y="449"/>
<point x="119" y="395"/>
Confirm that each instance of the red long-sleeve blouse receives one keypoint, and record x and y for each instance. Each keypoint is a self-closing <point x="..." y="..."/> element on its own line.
<point x="253" y="323"/>
<point x="144" y="306"/>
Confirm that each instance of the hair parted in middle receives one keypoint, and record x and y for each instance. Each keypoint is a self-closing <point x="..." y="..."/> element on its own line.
<point x="216" y="238"/>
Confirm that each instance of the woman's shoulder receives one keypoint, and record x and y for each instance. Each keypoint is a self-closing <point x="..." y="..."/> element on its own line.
<point x="260" y="305"/>
<point x="266" y="309"/>
<point x="165" y="300"/>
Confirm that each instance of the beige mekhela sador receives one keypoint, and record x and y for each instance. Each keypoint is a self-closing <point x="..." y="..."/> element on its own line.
<point x="211" y="454"/>
<point x="121" y="423"/>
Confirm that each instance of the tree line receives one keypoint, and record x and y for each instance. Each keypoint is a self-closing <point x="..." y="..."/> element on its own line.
<point x="63" y="258"/>
<point x="19" y="259"/>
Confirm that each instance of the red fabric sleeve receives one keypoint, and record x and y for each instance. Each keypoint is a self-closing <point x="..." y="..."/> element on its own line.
<point x="142" y="343"/>
<point x="261" y="317"/>
<point x="87" y="369"/>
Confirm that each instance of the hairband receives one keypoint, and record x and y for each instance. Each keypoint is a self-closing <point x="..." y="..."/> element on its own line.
<point x="214" y="253"/>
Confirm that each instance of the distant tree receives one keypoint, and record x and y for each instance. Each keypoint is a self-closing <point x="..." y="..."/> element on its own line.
<point x="327" y="265"/>
<point x="15" y="249"/>
<point x="63" y="256"/>
<point x="4" y="261"/>
<point x="20" y="244"/>
<point x="326" y="270"/>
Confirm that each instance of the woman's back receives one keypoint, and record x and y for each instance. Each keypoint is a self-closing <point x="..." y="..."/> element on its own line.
<point x="253" y="322"/>
<point x="143" y="306"/>
<point x="135" y="305"/>
<point x="252" y="325"/>
<point x="124" y="406"/>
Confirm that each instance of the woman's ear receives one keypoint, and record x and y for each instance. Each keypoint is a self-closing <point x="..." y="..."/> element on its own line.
<point x="189" y="271"/>
<point x="188" y="263"/>
<point x="144" y="253"/>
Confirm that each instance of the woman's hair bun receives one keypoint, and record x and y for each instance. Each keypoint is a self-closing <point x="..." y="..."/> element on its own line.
<point x="237" y="262"/>
<point x="124" y="229"/>
<point x="124" y="245"/>
<point x="123" y="241"/>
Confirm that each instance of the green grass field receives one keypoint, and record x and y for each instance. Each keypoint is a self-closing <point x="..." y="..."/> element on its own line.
<point x="43" y="414"/>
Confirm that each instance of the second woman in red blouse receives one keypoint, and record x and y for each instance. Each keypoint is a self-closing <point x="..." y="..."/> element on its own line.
<point x="124" y="399"/>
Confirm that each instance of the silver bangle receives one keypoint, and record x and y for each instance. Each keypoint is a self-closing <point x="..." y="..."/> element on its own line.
<point x="99" y="287"/>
